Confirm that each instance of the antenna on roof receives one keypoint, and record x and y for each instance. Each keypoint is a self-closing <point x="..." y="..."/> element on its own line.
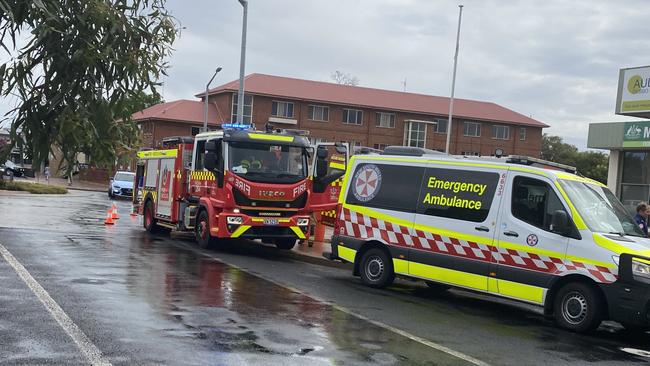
<point x="404" y="84"/>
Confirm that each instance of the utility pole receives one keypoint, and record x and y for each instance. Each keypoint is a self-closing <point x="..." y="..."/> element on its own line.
<point x="205" y="103"/>
<point x="453" y="80"/>
<point x="242" y="64"/>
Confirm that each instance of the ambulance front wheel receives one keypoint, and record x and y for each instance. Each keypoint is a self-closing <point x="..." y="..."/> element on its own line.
<point x="376" y="268"/>
<point x="578" y="307"/>
<point x="202" y="231"/>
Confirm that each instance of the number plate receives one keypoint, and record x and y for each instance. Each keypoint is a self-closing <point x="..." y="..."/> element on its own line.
<point x="271" y="221"/>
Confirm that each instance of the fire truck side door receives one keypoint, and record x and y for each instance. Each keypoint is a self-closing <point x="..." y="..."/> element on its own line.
<point x="329" y="163"/>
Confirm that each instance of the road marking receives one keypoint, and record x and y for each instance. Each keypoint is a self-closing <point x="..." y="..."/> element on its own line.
<point x="89" y="350"/>
<point x="390" y="328"/>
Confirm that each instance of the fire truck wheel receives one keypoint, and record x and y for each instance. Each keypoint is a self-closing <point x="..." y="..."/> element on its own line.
<point x="149" y="219"/>
<point x="202" y="231"/>
<point x="376" y="268"/>
<point x="578" y="307"/>
<point x="285" y="244"/>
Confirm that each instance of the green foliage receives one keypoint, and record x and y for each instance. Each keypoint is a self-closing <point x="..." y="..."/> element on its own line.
<point x="35" y="188"/>
<point x="592" y="164"/>
<point x="84" y="66"/>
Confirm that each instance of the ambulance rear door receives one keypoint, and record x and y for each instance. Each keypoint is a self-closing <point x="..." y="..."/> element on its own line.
<point x="456" y="222"/>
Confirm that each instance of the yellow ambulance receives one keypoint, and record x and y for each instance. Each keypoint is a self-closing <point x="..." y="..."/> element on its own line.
<point x="541" y="235"/>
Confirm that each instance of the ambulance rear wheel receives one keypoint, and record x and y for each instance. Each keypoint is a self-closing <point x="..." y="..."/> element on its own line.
<point x="376" y="268"/>
<point x="285" y="244"/>
<point x="578" y="307"/>
<point x="202" y="231"/>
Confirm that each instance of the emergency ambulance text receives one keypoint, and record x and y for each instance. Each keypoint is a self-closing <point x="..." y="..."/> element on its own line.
<point x="457" y="186"/>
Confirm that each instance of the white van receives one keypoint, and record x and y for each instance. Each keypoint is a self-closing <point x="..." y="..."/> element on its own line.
<point x="546" y="237"/>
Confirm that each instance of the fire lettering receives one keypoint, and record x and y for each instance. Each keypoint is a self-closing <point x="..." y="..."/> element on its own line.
<point x="299" y="189"/>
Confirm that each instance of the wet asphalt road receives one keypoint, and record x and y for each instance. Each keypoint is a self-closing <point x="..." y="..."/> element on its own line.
<point x="144" y="299"/>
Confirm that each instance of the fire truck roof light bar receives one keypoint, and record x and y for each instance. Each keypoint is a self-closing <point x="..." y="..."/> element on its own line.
<point x="236" y="126"/>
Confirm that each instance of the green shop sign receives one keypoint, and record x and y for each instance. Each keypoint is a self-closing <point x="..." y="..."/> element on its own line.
<point x="636" y="134"/>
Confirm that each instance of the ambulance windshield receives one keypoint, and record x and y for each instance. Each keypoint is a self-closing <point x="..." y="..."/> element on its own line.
<point x="260" y="162"/>
<point x="600" y="209"/>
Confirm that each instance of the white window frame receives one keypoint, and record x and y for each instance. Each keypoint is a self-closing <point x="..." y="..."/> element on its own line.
<point x="495" y="132"/>
<point x="478" y="128"/>
<point x="522" y="129"/>
<point x="437" y="128"/>
<point x="380" y="146"/>
<point x="285" y="107"/>
<point x="312" y="107"/>
<point x="408" y="133"/>
<point x="358" y="113"/>
<point x="380" y="118"/>
<point x="233" y="109"/>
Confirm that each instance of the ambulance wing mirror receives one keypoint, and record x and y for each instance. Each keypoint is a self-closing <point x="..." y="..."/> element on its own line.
<point x="560" y="222"/>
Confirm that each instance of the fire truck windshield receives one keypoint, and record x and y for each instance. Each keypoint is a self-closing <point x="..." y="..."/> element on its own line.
<point x="264" y="162"/>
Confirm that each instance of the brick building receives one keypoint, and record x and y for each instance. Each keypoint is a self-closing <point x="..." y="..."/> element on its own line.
<point x="359" y="115"/>
<point x="178" y="118"/>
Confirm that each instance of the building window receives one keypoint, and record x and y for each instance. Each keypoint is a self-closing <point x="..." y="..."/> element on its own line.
<point x="196" y="130"/>
<point x="282" y="109"/>
<point x="472" y="129"/>
<point x="415" y="134"/>
<point x="500" y="132"/>
<point x="522" y="133"/>
<point x="352" y="116"/>
<point x="386" y="120"/>
<point x="317" y="140"/>
<point x="248" y="108"/>
<point x="380" y="146"/>
<point x="441" y="125"/>
<point x="352" y="143"/>
<point x="319" y="113"/>
<point x="470" y="153"/>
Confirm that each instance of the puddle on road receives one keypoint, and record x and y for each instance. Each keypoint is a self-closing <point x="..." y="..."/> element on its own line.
<point x="235" y="312"/>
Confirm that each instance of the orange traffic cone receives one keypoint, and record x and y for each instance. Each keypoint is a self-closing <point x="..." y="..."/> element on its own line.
<point x="114" y="214"/>
<point x="109" y="218"/>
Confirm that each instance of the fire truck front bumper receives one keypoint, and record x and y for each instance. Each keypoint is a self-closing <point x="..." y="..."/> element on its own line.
<point x="241" y="226"/>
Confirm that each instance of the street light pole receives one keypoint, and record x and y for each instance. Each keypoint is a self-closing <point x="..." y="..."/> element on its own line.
<point x="453" y="80"/>
<point x="242" y="64"/>
<point x="205" y="102"/>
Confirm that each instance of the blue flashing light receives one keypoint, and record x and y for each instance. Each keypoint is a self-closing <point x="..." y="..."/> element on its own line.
<point x="236" y="126"/>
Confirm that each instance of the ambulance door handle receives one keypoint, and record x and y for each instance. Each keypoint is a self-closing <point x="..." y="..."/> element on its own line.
<point x="510" y="233"/>
<point x="482" y="228"/>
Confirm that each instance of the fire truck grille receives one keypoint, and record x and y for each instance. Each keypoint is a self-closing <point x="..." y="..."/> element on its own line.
<point x="268" y="231"/>
<point x="268" y="213"/>
<point x="242" y="200"/>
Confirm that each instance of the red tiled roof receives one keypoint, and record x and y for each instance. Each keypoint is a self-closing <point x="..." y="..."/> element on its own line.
<point x="182" y="110"/>
<point x="299" y="89"/>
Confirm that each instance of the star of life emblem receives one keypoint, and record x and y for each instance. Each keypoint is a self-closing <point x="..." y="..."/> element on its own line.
<point x="367" y="182"/>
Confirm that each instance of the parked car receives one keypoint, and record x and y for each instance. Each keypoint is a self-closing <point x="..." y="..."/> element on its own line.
<point x="121" y="185"/>
<point x="10" y="169"/>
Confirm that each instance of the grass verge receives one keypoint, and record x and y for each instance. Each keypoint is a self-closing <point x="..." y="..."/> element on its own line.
<point x="36" y="188"/>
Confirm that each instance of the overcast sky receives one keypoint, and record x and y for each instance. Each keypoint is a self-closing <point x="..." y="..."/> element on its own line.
<point x="556" y="61"/>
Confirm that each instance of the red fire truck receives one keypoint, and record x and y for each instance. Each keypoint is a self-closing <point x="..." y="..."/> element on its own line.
<point x="237" y="182"/>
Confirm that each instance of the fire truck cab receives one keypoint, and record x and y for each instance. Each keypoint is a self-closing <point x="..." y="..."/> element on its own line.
<point x="239" y="183"/>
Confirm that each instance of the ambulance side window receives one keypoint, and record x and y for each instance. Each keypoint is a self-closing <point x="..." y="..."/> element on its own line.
<point x="534" y="201"/>
<point x="200" y="156"/>
<point x="385" y="186"/>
